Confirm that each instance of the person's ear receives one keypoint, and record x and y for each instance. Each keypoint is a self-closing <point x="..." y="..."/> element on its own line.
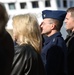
<point x="53" y="26"/>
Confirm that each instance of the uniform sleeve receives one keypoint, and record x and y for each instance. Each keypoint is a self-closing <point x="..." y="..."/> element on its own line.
<point x="55" y="57"/>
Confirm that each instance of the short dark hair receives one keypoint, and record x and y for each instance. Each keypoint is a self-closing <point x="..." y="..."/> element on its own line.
<point x="58" y="24"/>
<point x="3" y="17"/>
<point x="71" y="10"/>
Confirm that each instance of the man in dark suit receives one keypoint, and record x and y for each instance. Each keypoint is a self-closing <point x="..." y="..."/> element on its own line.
<point x="54" y="51"/>
<point x="6" y="44"/>
<point x="69" y="20"/>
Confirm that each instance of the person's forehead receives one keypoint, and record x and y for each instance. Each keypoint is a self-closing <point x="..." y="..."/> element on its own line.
<point x="68" y="14"/>
<point x="69" y="17"/>
<point x="47" y="19"/>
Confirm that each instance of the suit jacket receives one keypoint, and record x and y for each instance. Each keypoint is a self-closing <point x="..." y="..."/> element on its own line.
<point x="70" y="44"/>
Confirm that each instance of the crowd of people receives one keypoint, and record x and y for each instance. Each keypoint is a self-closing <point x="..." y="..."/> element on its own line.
<point x="37" y="49"/>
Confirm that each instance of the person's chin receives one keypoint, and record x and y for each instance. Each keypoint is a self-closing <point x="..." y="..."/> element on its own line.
<point x="42" y="33"/>
<point x="67" y="27"/>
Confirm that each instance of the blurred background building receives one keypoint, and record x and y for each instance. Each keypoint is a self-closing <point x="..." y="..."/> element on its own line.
<point x="15" y="7"/>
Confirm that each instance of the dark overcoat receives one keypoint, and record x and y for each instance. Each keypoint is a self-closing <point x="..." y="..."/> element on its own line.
<point x="6" y="53"/>
<point x="54" y="55"/>
<point x="70" y="44"/>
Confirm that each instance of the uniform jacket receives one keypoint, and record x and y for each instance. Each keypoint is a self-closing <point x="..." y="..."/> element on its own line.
<point x="27" y="61"/>
<point x="54" y="55"/>
<point x="6" y="53"/>
<point x="70" y="44"/>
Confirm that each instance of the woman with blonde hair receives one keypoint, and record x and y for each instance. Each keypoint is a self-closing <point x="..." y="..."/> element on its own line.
<point x="27" y="60"/>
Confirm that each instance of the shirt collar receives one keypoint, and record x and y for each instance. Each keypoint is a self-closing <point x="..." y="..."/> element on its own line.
<point x="48" y="39"/>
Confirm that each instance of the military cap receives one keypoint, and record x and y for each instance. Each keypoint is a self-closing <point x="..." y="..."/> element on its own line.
<point x="54" y="14"/>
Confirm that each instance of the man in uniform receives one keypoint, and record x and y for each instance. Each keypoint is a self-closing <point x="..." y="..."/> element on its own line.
<point x="54" y="51"/>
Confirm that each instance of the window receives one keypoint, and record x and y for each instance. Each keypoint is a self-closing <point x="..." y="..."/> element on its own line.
<point x="35" y="4"/>
<point x="58" y="3"/>
<point x="71" y="3"/>
<point x="47" y="3"/>
<point x="64" y="3"/>
<point x="23" y="5"/>
<point x="11" y="6"/>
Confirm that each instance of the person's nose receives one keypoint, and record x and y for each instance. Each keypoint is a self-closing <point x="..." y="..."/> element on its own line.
<point x="41" y="24"/>
<point x="65" y="20"/>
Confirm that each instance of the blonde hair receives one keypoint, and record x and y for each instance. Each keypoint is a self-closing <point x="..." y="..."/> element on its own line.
<point x="28" y="28"/>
